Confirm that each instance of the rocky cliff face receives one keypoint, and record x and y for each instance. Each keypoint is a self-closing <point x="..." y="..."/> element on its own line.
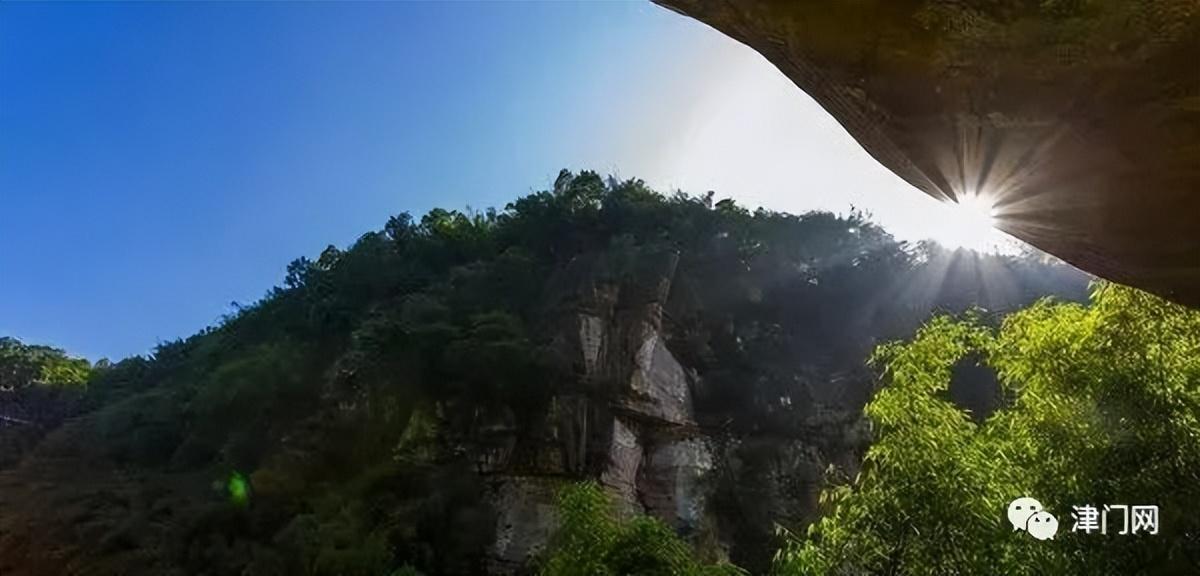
<point x="630" y="423"/>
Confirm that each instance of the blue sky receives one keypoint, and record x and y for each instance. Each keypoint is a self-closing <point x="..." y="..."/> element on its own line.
<point x="159" y="161"/>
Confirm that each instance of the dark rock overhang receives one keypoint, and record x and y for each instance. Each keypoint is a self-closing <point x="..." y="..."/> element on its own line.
<point x="1081" y="118"/>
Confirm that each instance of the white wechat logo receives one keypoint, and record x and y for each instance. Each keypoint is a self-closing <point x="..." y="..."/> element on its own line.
<point x="1042" y="525"/>
<point x="1029" y="515"/>
<point x="1020" y="510"/>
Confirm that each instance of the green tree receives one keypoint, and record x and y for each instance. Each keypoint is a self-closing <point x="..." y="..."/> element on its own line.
<point x="592" y="541"/>
<point x="23" y="365"/>
<point x="1104" y="409"/>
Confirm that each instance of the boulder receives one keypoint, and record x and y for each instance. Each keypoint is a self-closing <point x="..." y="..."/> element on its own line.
<point x="658" y="387"/>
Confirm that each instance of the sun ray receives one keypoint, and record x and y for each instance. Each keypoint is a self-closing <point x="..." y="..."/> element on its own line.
<point x="969" y="222"/>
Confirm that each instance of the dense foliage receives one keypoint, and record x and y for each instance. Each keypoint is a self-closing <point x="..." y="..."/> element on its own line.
<point x="1103" y="409"/>
<point x="23" y="365"/>
<point x="593" y="540"/>
<point x="336" y="426"/>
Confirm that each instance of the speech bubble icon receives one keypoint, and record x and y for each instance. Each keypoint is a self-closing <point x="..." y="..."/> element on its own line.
<point x="1042" y="525"/>
<point x="1020" y="510"/>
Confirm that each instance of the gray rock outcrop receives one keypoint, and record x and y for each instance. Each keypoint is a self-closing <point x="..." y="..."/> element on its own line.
<point x="630" y="423"/>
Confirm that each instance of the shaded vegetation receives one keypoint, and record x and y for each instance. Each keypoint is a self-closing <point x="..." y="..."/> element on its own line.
<point x="39" y="387"/>
<point x="593" y="540"/>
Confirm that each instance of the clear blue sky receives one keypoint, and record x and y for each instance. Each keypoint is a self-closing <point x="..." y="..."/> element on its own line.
<point x="159" y="160"/>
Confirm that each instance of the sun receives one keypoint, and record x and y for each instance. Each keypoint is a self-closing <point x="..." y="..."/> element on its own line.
<point x="970" y="223"/>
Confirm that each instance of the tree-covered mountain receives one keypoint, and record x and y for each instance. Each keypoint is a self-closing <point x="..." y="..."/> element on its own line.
<point x="414" y="402"/>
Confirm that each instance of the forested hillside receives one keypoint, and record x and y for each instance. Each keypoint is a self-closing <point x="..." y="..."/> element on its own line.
<point x="414" y="402"/>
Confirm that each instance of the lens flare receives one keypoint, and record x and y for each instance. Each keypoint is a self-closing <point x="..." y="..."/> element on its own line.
<point x="970" y="223"/>
<point x="239" y="489"/>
